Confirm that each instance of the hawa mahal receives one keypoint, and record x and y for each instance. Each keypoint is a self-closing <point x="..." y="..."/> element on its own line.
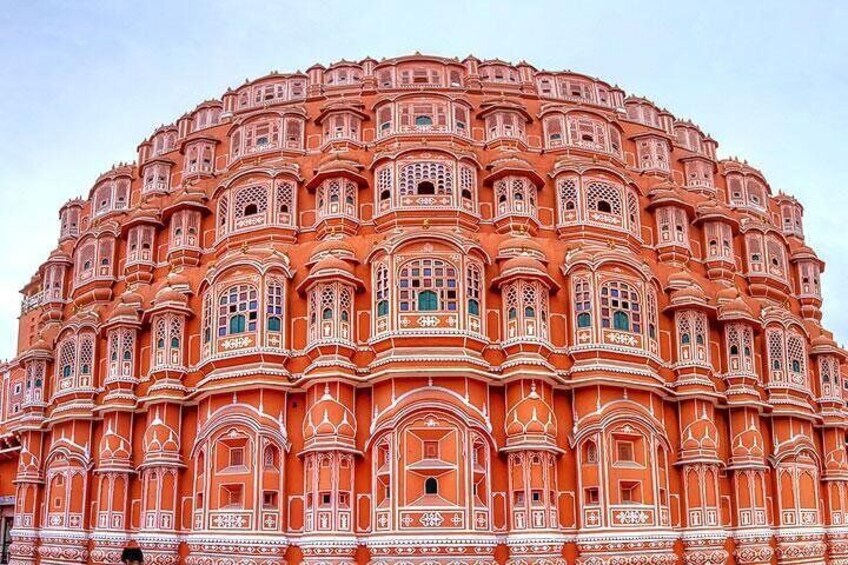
<point x="426" y="311"/>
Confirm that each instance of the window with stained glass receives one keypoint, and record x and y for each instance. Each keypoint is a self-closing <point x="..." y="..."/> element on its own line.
<point x="428" y="285"/>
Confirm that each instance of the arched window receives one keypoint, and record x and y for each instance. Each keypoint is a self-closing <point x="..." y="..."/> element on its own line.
<point x="238" y="309"/>
<point x="382" y="290"/>
<point x="584" y="320"/>
<point x="590" y="453"/>
<point x="473" y="284"/>
<point x="427" y="175"/>
<point x="428" y="285"/>
<point x="251" y="205"/>
<point x="423" y="121"/>
<point x="620" y="307"/>
<point x="431" y="486"/>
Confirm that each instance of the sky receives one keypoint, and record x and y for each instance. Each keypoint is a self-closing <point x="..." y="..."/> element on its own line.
<point x="85" y="82"/>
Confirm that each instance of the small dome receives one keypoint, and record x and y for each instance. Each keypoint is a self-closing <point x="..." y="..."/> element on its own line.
<point x="688" y="295"/>
<point x="822" y="341"/>
<point x="113" y="446"/>
<point x="804" y="252"/>
<point x="700" y="436"/>
<point x="328" y="420"/>
<point x="523" y="265"/>
<point x="168" y="295"/>
<point x="521" y="245"/>
<point x="748" y="444"/>
<point x="144" y="214"/>
<point x="330" y="264"/>
<point x="333" y="246"/>
<point x="736" y="308"/>
<point x="160" y="438"/>
<point x="59" y="256"/>
<point x="531" y="416"/>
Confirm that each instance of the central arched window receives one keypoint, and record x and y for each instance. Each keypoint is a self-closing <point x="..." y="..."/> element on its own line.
<point x="423" y="121"/>
<point x="428" y="285"/>
<point x="620" y="308"/>
<point x="238" y="310"/>
<point x="425" y="177"/>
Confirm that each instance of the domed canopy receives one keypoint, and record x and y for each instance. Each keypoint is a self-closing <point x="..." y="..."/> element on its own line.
<point x="330" y="267"/>
<point x="524" y="267"/>
<point x="160" y="438"/>
<point x="685" y="291"/>
<point x="332" y="246"/>
<point x="521" y="245"/>
<point x="531" y="419"/>
<point x="113" y="447"/>
<point x="329" y="424"/>
<point x="735" y="309"/>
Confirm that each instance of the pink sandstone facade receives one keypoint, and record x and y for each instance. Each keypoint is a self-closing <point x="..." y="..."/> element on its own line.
<point x="426" y="311"/>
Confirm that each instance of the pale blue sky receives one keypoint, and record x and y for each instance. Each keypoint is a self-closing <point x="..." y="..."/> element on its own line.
<point x="85" y="82"/>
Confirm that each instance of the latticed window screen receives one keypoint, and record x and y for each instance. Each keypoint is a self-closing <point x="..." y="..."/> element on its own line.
<point x="633" y="211"/>
<point x="472" y="291"/>
<point x="776" y="353"/>
<point x="692" y="336"/>
<point x="251" y="201"/>
<point x="582" y="302"/>
<point x="121" y="352"/>
<point x="67" y="359"/>
<point x="603" y="197"/>
<point x="381" y="287"/>
<point x="440" y="175"/>
<point x="274" y="305"/>
<point x="620" y="307"/>
<point x="740" y="340"/>
<point x="284" y="201"/>
<point x="588" y="133"/>
<point x="85" y="361"/>
<point x="776" y="257"/>
<point x="568" y="196"/>
<point x="238" y="310"/>
<point x="428" y="285"/>
<point x="796" y="357"/>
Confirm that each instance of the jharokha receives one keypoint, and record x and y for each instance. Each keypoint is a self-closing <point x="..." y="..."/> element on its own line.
<point x="427" y="311"/>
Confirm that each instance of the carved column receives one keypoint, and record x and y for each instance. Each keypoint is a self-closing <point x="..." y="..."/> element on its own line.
<point x="329" y="433"/>
<point x="704" y="536"/>
<point x="531" y="430"/>
<point x="157" y="536"/>
<point x="752" y="534"/>
<point x="29" y="490"/>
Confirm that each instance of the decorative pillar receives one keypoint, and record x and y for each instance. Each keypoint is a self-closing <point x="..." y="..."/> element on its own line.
<point x="329" y="459"/>
<point x="29" y="490"/>
<point x="531" y="431"/>
<point x="157" y="535"/>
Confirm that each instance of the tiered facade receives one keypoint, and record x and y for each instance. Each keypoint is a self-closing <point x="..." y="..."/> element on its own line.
<point x="427" y="311"/>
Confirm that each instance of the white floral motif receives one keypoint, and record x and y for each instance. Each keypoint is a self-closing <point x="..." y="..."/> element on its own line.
<point x="632" y="517"/>
<point x="622" y="339"/>
<point x="236" y="343"/>
<point x="431" y="519"/>
<point x="229" y="521"/>
<point x="428" y="321"/>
